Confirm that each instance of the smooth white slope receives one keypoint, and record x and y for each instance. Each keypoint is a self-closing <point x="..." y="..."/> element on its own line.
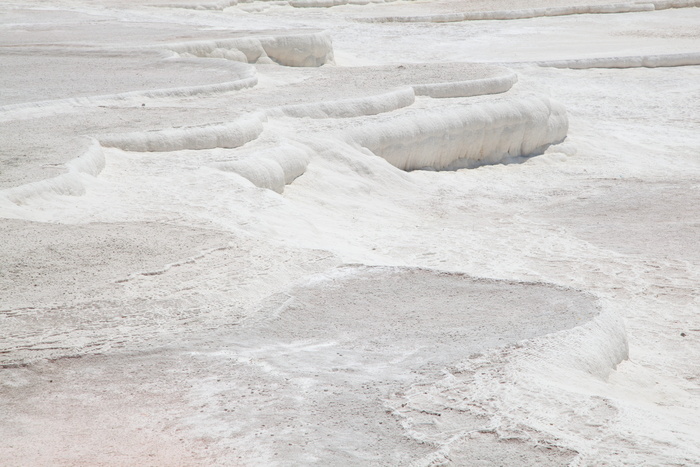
<point x="613" y="211"/>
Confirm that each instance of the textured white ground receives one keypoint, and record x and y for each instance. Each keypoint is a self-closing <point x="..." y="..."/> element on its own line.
<point x="291" y="233"/>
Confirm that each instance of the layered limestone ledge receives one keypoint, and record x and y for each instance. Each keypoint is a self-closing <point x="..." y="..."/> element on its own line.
<point x="465" y="136"/>
<point x="139" y="125"/>
<point x="67" y="84"/>
<point x="51" y="80"/>
<point x="440" y="133"/>
<point x="449" y="80"/>
<point x="300" y="50"/>
<point x="209" y="5"/>
<point x="635" y="61"/>
<point x="271" y="168"/>
<point x="477" y="87"/>
<point x="332" y="3"/>
<point x="223" y="135"/>
<point x="91" y="162"/>
<point x="631" y="7"/>
<point x="441" y="137"/>
<point x="69" y="76"/>
<point x="346" y="108"/>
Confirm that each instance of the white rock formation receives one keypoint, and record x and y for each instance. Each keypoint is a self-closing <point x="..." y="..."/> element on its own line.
<point x="457" y="137"/>
<point x="315" y="232"/>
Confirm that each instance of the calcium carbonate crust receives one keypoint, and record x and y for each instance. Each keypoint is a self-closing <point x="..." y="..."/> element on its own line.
<point x="537" y="12"/>
<point x="448" y="137"/>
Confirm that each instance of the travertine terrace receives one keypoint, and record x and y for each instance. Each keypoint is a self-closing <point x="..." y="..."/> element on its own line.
<point x="342" y="232"/>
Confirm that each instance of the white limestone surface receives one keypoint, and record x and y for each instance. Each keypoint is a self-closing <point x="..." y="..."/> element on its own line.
<point x="456" y="137"/>
<point x="373" y="243"/>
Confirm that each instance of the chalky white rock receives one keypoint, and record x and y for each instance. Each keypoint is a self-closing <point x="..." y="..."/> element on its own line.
<point x="349" y="233"/>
